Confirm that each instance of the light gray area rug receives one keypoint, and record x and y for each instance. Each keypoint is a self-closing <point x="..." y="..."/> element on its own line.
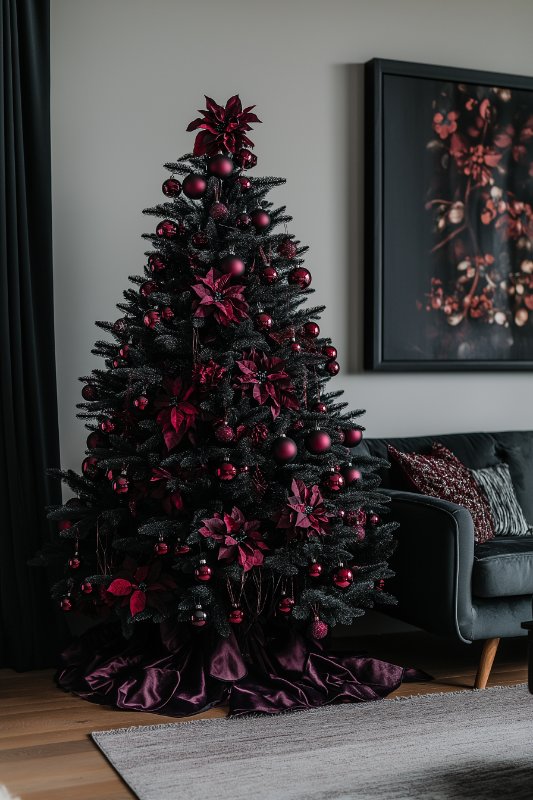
<point x="465" y="745"/>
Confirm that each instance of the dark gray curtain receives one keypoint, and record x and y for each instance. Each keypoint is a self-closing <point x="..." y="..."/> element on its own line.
<point x="28" y="408"/>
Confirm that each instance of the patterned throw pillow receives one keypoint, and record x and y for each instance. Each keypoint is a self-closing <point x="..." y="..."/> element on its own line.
<point x="442" y="475"/>
<point x="508" y="517"/>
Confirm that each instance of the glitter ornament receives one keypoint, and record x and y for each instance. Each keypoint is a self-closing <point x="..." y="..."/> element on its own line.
<point x="287" y="249"/>
<point x="89" y="392"/>
<point x="171" y="188"/>
<point x="243" y="221"/>
<point x="200" y="240"/>
<point x="224" y="434"/>
<point x="167" y="229"/>
<point x="219" y="212"/>
<point x="156" y="264"/>
<point x="319" y="629"/>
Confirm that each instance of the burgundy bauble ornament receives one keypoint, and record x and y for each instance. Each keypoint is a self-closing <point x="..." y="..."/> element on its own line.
<point x="314" y="569"/>
<point x="203" y="572"/>
<point x="66" y="604"/>
<point x="260" y="219"/>
<point x="351" y="475"/>
<point x="198" y="617"/>
<point x="167" y="229"/>
<point x="231" y="265"/>
<point x="64" y="524"/>
<point x="318" y="442"/>
<point x="352" y="437"/>
<point x="107" y="425"/>
<point x="343" y="577"/>
<point x="224" y="434"/>
<point x="89" y="392"/>
<point x="219" y="212"/>
<point x="167" y="313"/>
<point x="120" y="326"/>
<point x="319" y="629"/>
<point x="296" y="347"/>
<point x="124" y="351"/>
<point x="287" y="249"/>
<point x="90" y="467"/>
<point x="226" y="471"/>
<point x="333" y="482"/>
<point x="269" y="275"/>
<point x="86" y="587"/>
<point x="374" y="519"/>
<point x="332" y="367"/>
<point x="118" y="362"/>
<point x="171" y="188"/>
<point x="141" y="402"/>
<point x="264" y="321"/>
<point x="194" y="186"/>
<point x="311" y="330"/>
<point x="160" y="548"/>
<point x="243" y="221"/>
<point x="284" y="450"/>
<point x="236" y="616"/>
<point x="220" y="166"/>
<point x="245" y="158"/>
<point x="96" y="439"/>
<point x="156" y="264"/>
<point x="181" y="549"/>
<point x="286" y="604"/>
<point x="380" y="585"/>
<point x="300" y="276"/>
<point x="74" y="562"/>
<point x="320" y="408"/>
<point x="329" y="351"/>
<point x="147" y="288"/>
<point x="151" y="318"/>
<point x="357" y="517"/>
<point x="200" y="240"/>
<point x="359" y="533"/>
<point x="121" y="485"/>
<point x="110" y="474"/>
<point x="245" y="183"/>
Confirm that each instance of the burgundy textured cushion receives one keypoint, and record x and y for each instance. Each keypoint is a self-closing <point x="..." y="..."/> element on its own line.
<point x="442" y="475"/>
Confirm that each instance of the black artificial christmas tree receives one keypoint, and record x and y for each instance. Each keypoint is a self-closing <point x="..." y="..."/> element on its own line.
<point x="222" y="513"/>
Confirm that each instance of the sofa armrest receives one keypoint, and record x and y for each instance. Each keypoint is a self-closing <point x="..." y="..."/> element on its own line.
<point x="433" y="564"/>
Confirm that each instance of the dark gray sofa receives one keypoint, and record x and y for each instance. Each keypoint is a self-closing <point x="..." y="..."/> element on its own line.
<point x="445" y="583"/>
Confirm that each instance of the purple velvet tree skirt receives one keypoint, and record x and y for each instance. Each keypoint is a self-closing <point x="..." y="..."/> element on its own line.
<point x="176" y="671"/>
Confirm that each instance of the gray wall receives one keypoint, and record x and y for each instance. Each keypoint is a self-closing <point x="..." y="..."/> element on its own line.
<point x="127" y="76"/>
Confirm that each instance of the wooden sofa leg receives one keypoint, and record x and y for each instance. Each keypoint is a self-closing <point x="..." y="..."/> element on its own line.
<point x="485" y="663"/>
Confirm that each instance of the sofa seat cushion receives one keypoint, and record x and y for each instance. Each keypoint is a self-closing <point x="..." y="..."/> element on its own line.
<point x="503" y="567"/>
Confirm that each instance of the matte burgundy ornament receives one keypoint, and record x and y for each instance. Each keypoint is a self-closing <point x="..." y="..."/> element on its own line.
<point x="203" y="572"/>
<point x="269" y="275"/>
<point x="224" y="433"/>
<point x="245" y="158"/>
<point x="351" y="475"/>
<point x="264" y="321"/>
<point x="220" y="166"/>
<point x="260" y="219"/>
<point x="107" y="425"/>
<point x="314" y="570"/>
<point x="167" y="313"/>
<point x="311" y="330"/>
<point x="226" y="471"/>
<point x="245" y="183"/>
<point x="333" y="367"/>
<point x="74" y="562"/>
<point x="218" y="212"/>
<point x="181" y="549"/>
<point x="243" y="221"/>
<point x="121" y="485"/>
<point x="66" y="604"/>
<point x="296" y="347"/>
<point x="90" y="467"/>
<point x="343" y="577"/>
<point x="286" y="605"/>
<point x="284" y="450"/>
<point x="333" y="482"/>
<point x="231" y="265"/>
<point x="64" y="524"/>
<point x="200" y="240"/>
<point x="198" y="617"/>
<point x="329" y="351"/>
<point x="147" y="288"/>
<point x="287" y="249"/>
<point x="352" y="437"/>
<point x="319" y="629"/>
<point x="236" y="616"/>
<point x="374" y="519"/>
<point x="161" y="548"/>
<point x="300" y="276"/>
<point x="171" y="188"/>
<point x="167" y="229"/>
<point x="96" y="439"/>
<point x="318" y="442"/>
<point x="194" y="186"/>
<point x="89" y="392"/>
<point x="151" y="318"/>
<point x="141" y="402"/>
<point x="86" y="587"/>
<point x="320" y="408"/>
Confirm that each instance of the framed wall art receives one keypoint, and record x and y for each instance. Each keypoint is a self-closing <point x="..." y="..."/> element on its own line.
<point x="449" y="194"/>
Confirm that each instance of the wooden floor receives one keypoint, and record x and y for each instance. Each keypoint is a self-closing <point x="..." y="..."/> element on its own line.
<point x="46" y="754"/>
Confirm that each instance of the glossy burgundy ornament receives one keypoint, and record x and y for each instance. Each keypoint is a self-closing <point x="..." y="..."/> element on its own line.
<point x="167" y="229"/>
<point x="380" y="585"/>
<point x="65" y="604"/>
<point x="243" y="221"/>
<point x="156" y="264"/>
<point x="352" y="437"/>
<point x="167" y="313"/>
<point x="260" y="219"/>
<point x="124" y="351"/>
<point x="198" y="617"/>
<point x="314" y="569"/>
<point x="121" y="485"/>
<point x="107" y="425"/>
<point x="200" y="240"/>
<point x="341" y="513"/>
<point x="287" y="249"/>
<point x="181" y="549"/>
<point x="151" y="318"/>
<point x="329" y="351"/>
<point x="245" y="183"/>
<point x="333" y="482"/>
<point x="332" y="367"/>
<point x="236" y="616"/>
<point x="160" y="548"/>
<point x="226" y="471"/>
<point x="264" y="321"/>
<point x="319" y="629"/>
<point x="374" y="519"/>
<point x="224" y="434"/>
<point x="231" y="265"/>
<point x="219" y="212"/>
<point x="245" y="158"/>
<point x="90" y="467"/>
<point x="320" y="407"/>
<point x="118" y="362"/>
<point x="96" y="439"/>
<point x="171" y="188"/>
<point x="296" y="347"/>
<point x="351" y="475"/>
<point x="86" y="587"/>
<point x="318" y="442"/>
<point x="147" y="288"/>
<point x="269" y="275"/>
<point x="74" y="562"/>
<point x="110" y="474"/>
<point x="284" y="450"/>
<point x="203" y="572"/>
<point x="220" y="166"/>
<point x="64" y="524"/>
<point x="311" y="330"/>
<point x="343" y="577"/>
<point x="300" y="276"/>
<point x="194" y="186"/>
<point x="141" y="402"/>
<point x="286" y="605"/>
<point x="89" y="392"/>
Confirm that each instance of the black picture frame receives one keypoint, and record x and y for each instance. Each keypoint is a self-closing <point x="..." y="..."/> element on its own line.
<point x="394" y="92"/>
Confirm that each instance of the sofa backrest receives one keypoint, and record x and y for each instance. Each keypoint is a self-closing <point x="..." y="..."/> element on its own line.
<point x="476" y="450"/>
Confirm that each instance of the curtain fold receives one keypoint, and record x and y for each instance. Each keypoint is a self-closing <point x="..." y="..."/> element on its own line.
<point x="29" y="628"/>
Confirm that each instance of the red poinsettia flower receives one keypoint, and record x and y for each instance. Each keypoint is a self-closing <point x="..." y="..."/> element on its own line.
<point x="240" y="539"/>
<point x="207" y="376"/>
<point x="222" y="128"/>
<point x="178" y="414"/>
<point x="304" y="513"/>
<point x="141" y="586"/>
<point x="170" y="502"/>
<point x="225" y="303"/>
<point x="267" y="381"/>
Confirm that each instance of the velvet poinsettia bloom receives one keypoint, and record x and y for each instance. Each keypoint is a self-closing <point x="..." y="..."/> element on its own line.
<point x="222" y="128"/>
<point x="304" y="513"/>
<point x="239" y="539"/>
<point x="218" y="299"/>
<point x="207" y="376"/>
<point x="177" y="413"/>
<point x="266" y="380"/>
<point x="141" y="586"/>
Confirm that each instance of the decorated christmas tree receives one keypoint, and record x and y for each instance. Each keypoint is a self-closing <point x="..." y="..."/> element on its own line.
<point x="223" y="512"/>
